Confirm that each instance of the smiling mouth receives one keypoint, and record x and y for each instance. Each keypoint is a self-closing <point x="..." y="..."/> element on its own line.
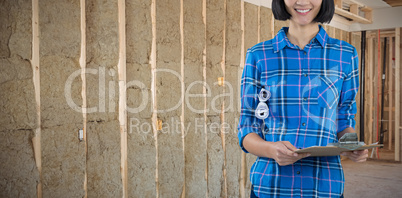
<point x="303" y="11"/>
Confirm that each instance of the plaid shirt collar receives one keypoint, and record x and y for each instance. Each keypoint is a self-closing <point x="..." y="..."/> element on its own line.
<point x="281" y="40"/>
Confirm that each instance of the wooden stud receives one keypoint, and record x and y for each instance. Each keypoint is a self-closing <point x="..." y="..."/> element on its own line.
<point x="338" y="3"/>
<point x="366" y="9"/>
<point x="368" y="13"/>
<point x="354" y="9"/>
<point x="259" y="23"/>
<point x="370" y="93"/>
<point x="330" y="31"/>
<point x="123" y="125"/>
<point x="390" y="92"/>
<point x="204" y="89"/>
<point x="121" y="67"/>
<point x="82" y="62"/>
<point x="242" y="58"/>
<point x="272" y="26"/>
<point x="36" y="140"/>
<point x="397" y="93"/>
<point x="377" y="83"/>
<point x="152" y="60"/>
<point x="221" y="82"/>
<point x="243" y="171"/>
<point x="182" y="118"/>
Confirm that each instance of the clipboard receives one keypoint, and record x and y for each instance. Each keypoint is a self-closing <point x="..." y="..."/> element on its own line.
<point x="348" y="142"/>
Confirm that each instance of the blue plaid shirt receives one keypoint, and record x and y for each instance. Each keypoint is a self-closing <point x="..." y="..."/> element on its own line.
<point x="312" y="99"/>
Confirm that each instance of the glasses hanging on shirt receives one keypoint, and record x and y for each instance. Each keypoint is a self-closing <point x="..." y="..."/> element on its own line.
<point x="262" y="110"/>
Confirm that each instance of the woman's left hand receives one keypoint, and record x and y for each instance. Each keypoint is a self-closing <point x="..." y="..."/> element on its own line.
<point x="356" y="156"/>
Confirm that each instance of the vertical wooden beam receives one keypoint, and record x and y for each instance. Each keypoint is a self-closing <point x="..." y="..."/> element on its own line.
<point x="36" y="140"/>
<point x="338" y="3"/>
<point x="259" y="23"/>
<point x="121" y="67"/>
<point x="183" y="193"/>
<point x="370" y="93"/>
<point x="356" y="40"/>
<point x="390" y="92"/>
<point x="331" y="31"/>
<point x="368" y="13"/>
<point x="272" y="26"/>
<point x="222" y="115"/>
<point x="378" y="84"/>
<point x="265" y="16"/>
<point x="152" y="60"/>
<point x="83" y="61"/>
<point x="397" y="93"/>
<point x="354" y="8"/>
<point x="342" y="35"/>
<point x="243" y="171"/>
<point x="204" y="89"/>
<point x="374" y="91"/>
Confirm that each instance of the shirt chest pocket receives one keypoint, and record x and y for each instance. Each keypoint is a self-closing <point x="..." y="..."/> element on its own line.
<point x="274" y="84"/>
<point x="328" y="90"/>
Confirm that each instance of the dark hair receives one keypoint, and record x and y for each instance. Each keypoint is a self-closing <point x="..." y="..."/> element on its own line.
<point x="324" y="16"/>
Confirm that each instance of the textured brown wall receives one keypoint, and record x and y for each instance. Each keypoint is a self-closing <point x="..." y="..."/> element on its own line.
<point x="195" y="154"/>
<point x="103" y="135"/>
<point x="215" y="16"/>
<point x="232" y="68"/>
<point x="63" y="157"/>
<point x="18" y="173"/>
<point x="141" y="144"/>
<point x="356" y="42"/>
<point x="168" y="50"/>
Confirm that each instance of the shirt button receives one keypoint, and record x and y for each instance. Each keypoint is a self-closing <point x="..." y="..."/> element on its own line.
<point x="305" y="75"/>
<point x="298" y="172"/>
<point x="305" y="53"/>
<point x="305" y="99"/>
<point x="304" y="124"/>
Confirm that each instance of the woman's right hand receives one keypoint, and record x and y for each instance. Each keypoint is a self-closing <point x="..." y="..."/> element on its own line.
<point x="283" y="153"/>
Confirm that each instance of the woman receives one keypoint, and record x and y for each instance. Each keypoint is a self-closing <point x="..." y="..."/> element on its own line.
<point x="308" y="83"/>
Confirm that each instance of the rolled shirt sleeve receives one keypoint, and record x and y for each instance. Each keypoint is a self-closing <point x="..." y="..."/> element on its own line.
<point x="250" y="86"/>
<point x="347" y="104"/>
